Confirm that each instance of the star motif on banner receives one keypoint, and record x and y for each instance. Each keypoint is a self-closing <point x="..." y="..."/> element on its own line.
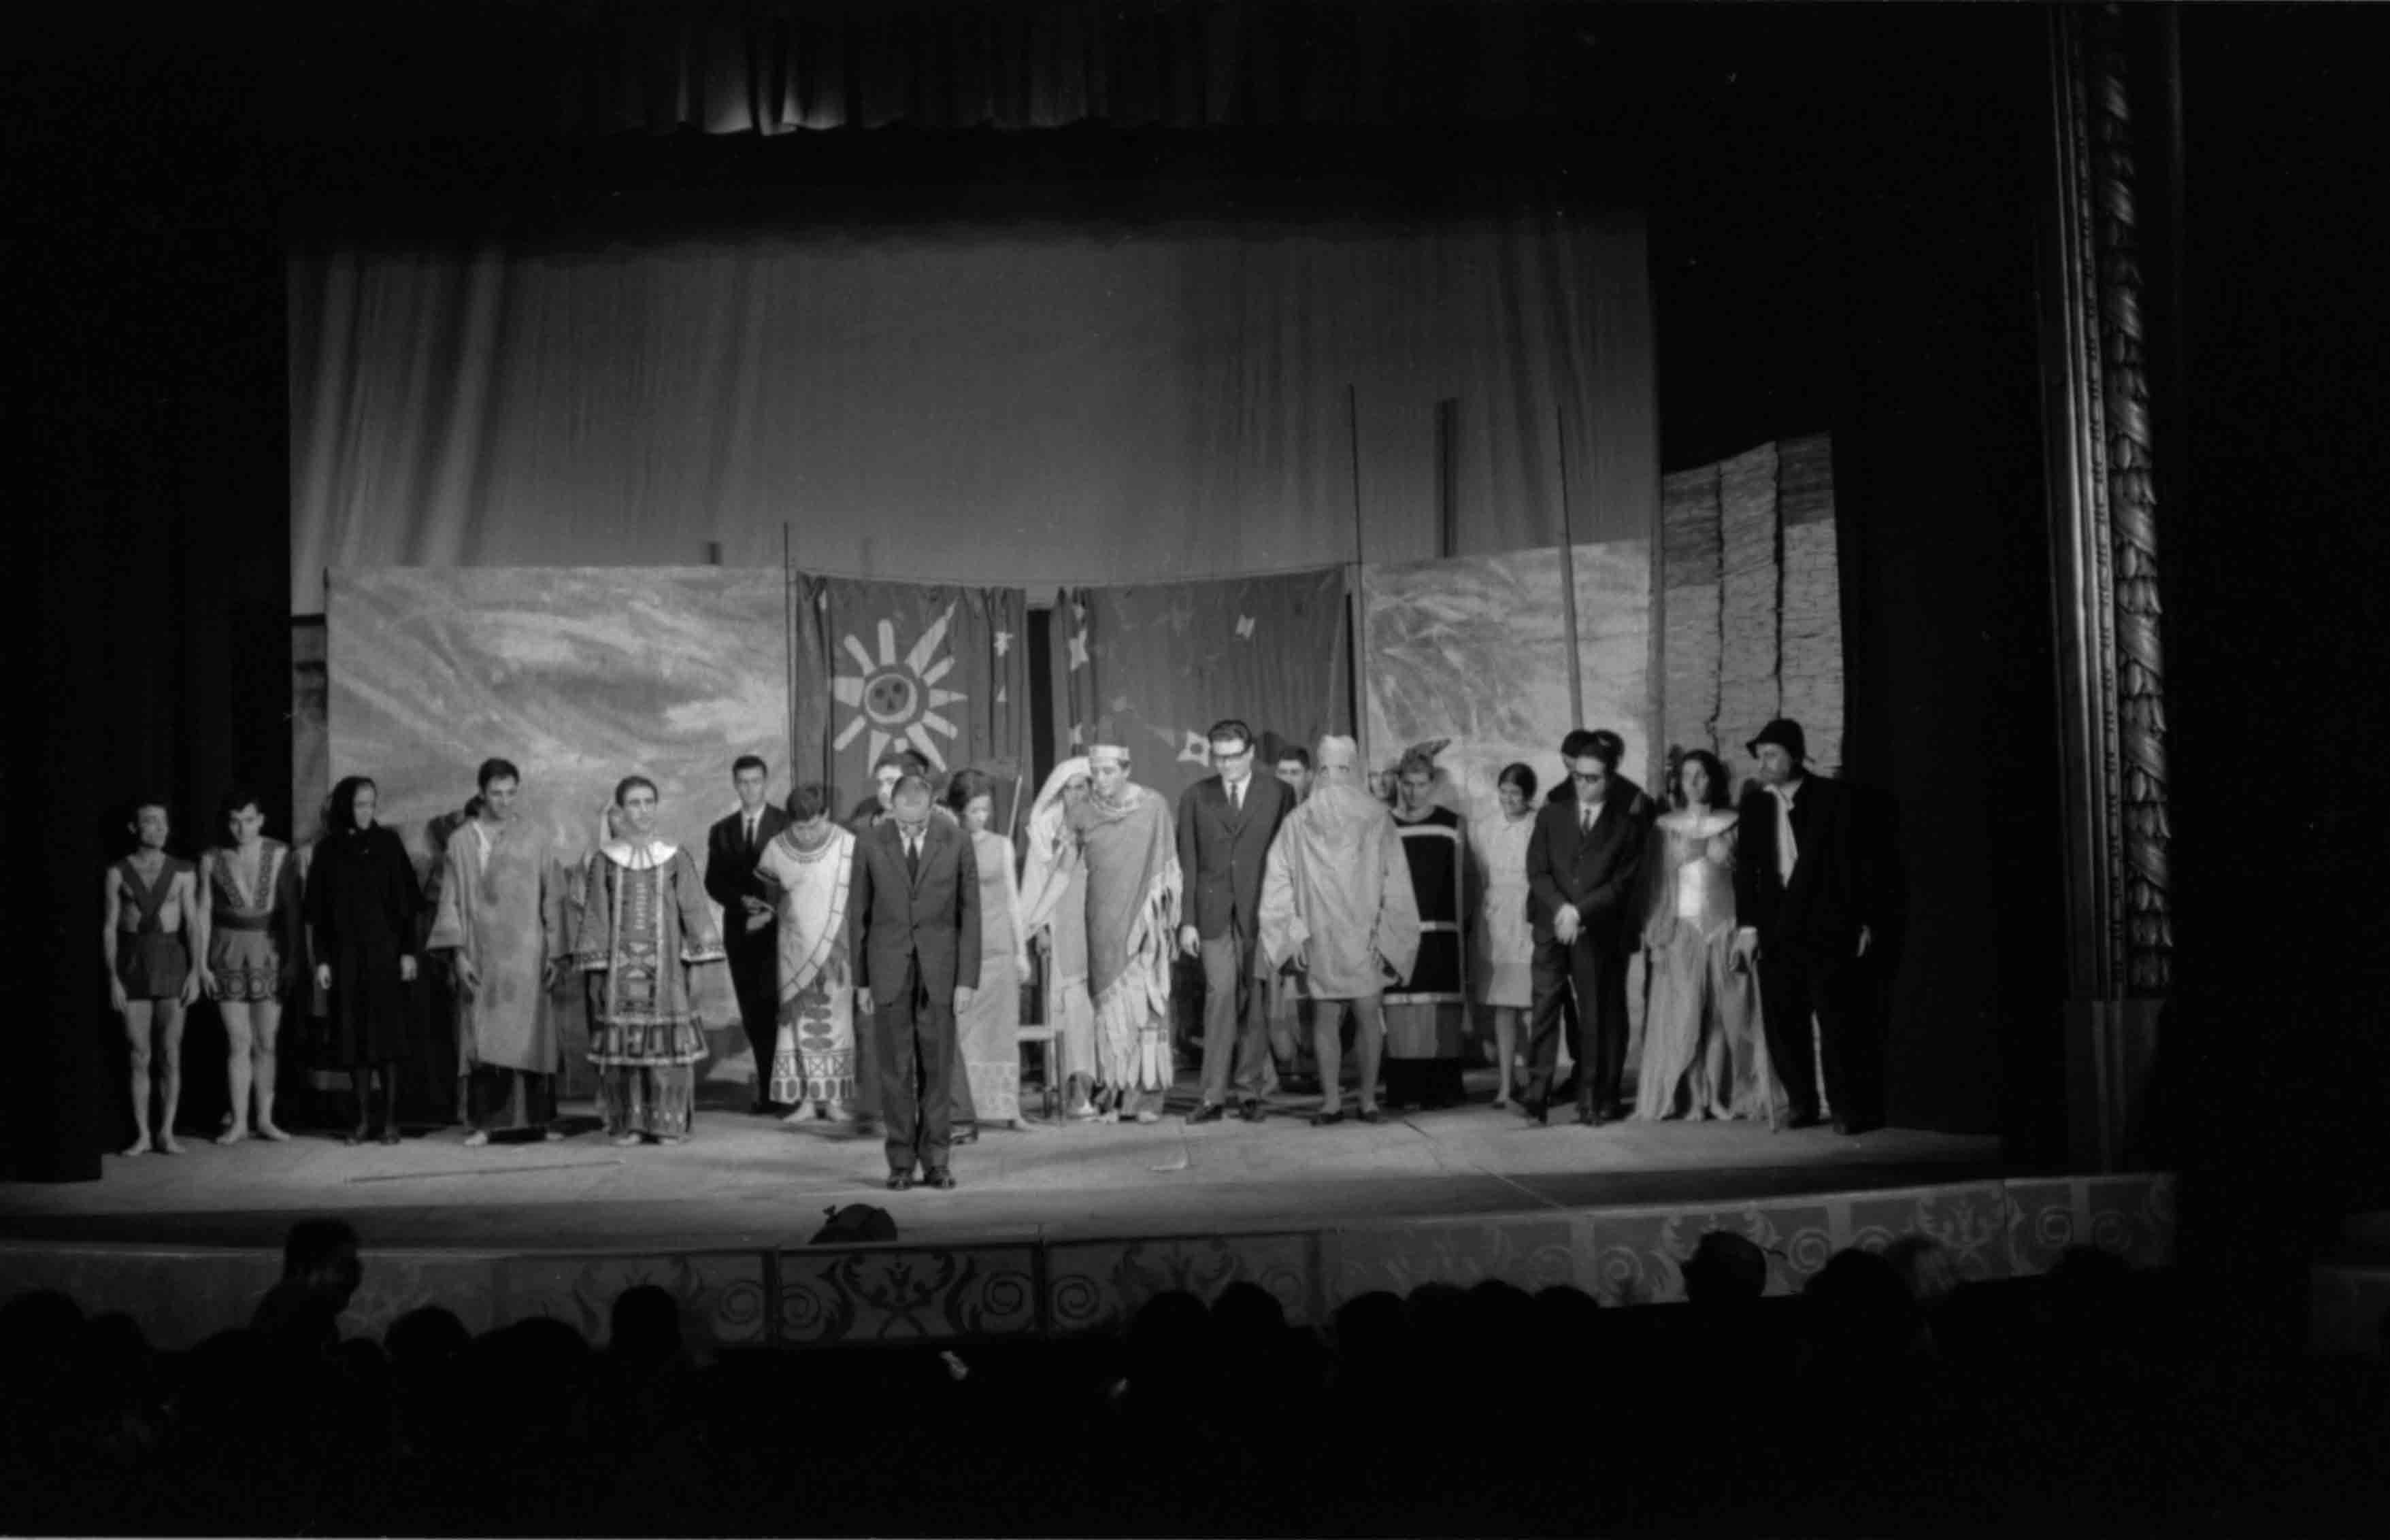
<point x="1245" y="628"/>
<point x="1195" y="750"/>
<point x="1079" y="612"/>
<point x="896" y="697"/>
<point x="1078" y="650"/>
<point x="1003" y="643"/>
<point x="1078" y="737"/>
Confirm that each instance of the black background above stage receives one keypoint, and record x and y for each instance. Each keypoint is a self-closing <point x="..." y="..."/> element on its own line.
<point x="1842" y="208"/>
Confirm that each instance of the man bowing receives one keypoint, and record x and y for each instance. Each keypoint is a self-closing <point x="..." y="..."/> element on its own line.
<point x="914" y="899"/>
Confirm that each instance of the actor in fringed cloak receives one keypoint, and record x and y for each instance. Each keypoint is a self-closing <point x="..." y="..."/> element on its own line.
<point x="501" y="913"/>
<point x="1426" y="1012"/>
<point x="657" y="973"/>
<point x="813" y="1065"/>
<point x="1128" y="843"/>
<point x="1337" y="904"/>
<point x="1054" y="913"/>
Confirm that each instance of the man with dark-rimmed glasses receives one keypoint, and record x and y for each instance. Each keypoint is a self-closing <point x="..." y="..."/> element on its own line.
<point x="1583" y="861"/>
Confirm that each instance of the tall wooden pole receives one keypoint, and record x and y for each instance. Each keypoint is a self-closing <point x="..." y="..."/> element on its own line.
<point x="1568" y="581"/>
<point x="1360" y="586"/>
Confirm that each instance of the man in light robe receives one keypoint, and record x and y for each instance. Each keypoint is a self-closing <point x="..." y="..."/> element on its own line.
<point x="1337" y="906"/>
<point x="1054" y="917"/>
<point x="1124" y="836"/>
<point x="500" y="920"/>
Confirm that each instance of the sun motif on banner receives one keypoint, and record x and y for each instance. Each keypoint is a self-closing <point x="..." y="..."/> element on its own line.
<point x="898" y="698"/>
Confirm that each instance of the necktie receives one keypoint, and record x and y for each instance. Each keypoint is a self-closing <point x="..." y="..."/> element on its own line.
<point x="913" y="857"/>
<point x="1237" y="797"/>
<point x="1585" y="816"/>
<point x="1787" y="850"/>
<point x="751" y="832"/>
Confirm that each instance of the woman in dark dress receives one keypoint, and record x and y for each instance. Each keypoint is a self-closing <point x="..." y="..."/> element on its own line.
<point x="361" y="901"/>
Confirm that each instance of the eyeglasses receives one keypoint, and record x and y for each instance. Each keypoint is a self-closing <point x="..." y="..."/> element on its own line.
<point x="1589" y="774"/>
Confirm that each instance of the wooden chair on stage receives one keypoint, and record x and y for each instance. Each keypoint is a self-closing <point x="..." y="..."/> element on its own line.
<point x="1049" y="1045"/>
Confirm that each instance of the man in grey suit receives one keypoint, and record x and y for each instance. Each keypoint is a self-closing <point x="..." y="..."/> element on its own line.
<point x="914" y="903"/>
<point x="1225" y="823"/>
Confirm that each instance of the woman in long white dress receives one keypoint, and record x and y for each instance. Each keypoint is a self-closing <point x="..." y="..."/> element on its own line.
<point x="987" y="1034"/>
<point x="1703" y="1053"/>
<point x="1053" y="916"/>
<point x="1506" y="945"/>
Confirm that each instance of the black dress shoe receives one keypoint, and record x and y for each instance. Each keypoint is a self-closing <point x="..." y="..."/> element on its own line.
<point x="1210" y="1112"/>
<point x="1250" y="1109"/>
<point x="1536" y="1111"/>
<point x="1328" y="1119"/>
<point x="941" y="1178"/>
<point x="1370" y="1115"/>
<point x="1852" y="1127"/>
<point x="900" y="1181"/>
<point x="1590" y="1118"/>
<point x="966" y="1134"/>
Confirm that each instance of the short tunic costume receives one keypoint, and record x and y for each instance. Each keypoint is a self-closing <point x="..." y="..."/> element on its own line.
<point x="255" y="936"/>
<point x="152" y="963"/>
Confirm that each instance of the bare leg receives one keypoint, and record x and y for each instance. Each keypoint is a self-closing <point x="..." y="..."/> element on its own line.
<point x="1327" y="1032"/>
<point x="389" y="1103"/>
<point x="1506" y="1043"/>
<point x="265" y="1030"/>
<point x="136" y="1038"/>
<point x="1370" y="1044"/>
<point x="170" y="1073"/>
<point x="239" y="1046"/>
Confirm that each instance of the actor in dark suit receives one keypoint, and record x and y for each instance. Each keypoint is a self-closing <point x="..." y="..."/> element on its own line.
<point x="1820" y="910"/>
<point x="913" y="907"/>
<point x="1584" y="861"/>
<point x="1225" y="823"/>
<point x="748" y="911"/>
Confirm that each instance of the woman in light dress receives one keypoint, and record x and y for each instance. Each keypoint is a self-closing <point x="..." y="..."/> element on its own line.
<point x="1703" y="1053"/>
<point x="987" y="1034"/>
<point x="1506" y="945"/>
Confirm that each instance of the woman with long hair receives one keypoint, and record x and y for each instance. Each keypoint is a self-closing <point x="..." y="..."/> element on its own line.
<point x="1703" y="1053"/>
<point x="987" y="1034"/>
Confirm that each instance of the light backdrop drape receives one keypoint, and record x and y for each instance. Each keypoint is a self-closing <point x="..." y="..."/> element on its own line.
<point x="987" y="404"/>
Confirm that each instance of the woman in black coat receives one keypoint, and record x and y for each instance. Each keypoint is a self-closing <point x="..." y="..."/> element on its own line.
<point x="362" y="903"/>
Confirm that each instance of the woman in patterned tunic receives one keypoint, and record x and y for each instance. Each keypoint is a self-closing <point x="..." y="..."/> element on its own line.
<point x="657" y="971"/>
<point x="808" y="864"/>
<point x="254" y="945"/>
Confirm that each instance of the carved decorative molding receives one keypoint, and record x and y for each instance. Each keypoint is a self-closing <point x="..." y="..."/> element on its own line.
<point x="2105" y="536"/>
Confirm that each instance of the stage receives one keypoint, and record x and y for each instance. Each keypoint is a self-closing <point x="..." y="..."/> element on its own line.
<point x="1055" y="1228"/>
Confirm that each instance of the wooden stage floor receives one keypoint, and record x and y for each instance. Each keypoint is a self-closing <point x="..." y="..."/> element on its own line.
<point x="746" y="1182"/>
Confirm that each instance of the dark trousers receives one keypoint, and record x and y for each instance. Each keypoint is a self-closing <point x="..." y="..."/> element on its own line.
<point x="913" y="1038"/>
<point x="1598" y="977"/>
<point x="1236" y="1017"/>
<point x="754" y="975"/>
<point x="1841" y="992"/>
